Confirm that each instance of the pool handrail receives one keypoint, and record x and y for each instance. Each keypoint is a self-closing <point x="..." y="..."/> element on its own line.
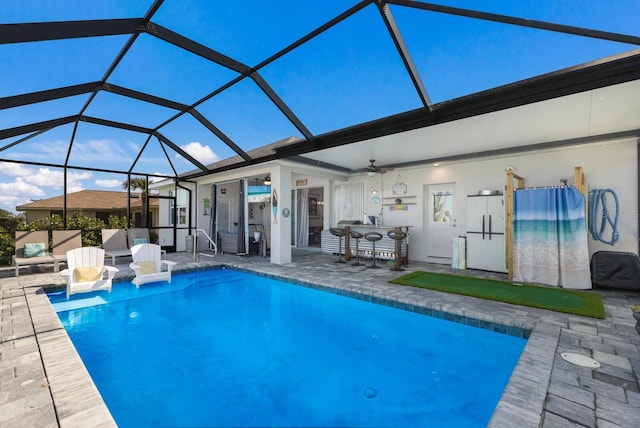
<point x="195" y="245"/>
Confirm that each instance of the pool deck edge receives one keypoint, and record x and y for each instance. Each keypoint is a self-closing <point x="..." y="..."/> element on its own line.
<point x="41" y="369"/>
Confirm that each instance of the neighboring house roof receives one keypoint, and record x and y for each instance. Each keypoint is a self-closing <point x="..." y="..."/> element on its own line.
<point x="267" y="150"/>
<point x="87" y="200"/>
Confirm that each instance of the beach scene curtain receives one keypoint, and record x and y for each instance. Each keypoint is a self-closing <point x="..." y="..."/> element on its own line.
<point x="550" y="242"/>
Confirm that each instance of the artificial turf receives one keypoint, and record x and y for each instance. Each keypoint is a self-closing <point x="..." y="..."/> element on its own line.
<point x="555" y="299"/>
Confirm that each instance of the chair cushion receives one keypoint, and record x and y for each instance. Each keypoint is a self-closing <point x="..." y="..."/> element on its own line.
<point x="138" y="241"/>
<point x="147" y="267"/>
<point x="34" y="250"/>
<point x="88" y="273"/>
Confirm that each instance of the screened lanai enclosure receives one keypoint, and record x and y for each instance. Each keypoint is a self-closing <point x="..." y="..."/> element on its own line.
<point x="95" y="93"/>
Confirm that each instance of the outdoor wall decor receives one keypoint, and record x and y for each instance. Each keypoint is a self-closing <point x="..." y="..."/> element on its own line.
<point x="399" y="188"/>
<point x="274" y="205"/>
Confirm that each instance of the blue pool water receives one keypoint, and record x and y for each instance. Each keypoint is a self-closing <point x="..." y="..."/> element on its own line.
<point x="225" y="348"/>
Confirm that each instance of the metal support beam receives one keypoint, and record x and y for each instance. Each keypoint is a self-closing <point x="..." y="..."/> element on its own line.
<point x="522" y="22"/>
<point x="610" y="71"/>
<point x="166" y="155"/>
<point x="177" y="149"/>
<point x="23" y="139"/>
<point x="41" y="31"/>
<point x="282" y="106"/>
<point x="398" y="40"/>
<point x="144" y="146"/>
<point x="141" y="96"/>
<point x="82" y="168"/>
<point x="218" y="133"/>
<point x="48" y="95"/>
<point x="194" y="47"/>
<point x="33" y="127"/>
<point x="113" y="124"/>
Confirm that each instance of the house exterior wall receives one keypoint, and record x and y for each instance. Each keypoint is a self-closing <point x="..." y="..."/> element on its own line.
<point x="605" y="165"/>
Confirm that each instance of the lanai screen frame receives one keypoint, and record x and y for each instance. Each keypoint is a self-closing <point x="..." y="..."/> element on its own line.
<point x="609" y="71"/>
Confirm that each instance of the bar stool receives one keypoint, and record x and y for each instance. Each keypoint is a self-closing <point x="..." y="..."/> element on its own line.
<point x="397" y="236"/>
<point x="373" y="237"/>
<point x="356" y="235"/>
<point x="339" y="232"/>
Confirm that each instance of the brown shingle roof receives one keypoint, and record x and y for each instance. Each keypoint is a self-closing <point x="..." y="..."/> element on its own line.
<point x="88" y="200"/>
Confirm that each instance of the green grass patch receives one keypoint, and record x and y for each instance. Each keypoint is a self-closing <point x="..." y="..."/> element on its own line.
<point x="555" y="299"/>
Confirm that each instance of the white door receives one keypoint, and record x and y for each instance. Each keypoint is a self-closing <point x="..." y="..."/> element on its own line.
<point x="440" y="222"/>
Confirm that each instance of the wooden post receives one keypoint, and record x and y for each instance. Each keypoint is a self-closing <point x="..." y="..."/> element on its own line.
<point x="578" y="180"/>
<point x="508" y="201"/>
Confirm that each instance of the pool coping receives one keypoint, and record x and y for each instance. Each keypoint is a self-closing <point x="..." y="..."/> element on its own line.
<point x="539" y="391"/>
<point x="521" y="403"/>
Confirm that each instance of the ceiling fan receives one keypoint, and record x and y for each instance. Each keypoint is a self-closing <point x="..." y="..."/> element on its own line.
<point x="372" y="168"/>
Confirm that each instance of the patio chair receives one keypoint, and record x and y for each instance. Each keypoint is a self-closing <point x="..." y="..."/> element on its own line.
<point x="63" y="241"/>
<point x="86" y="271"/>
<point x="114" y="244"/>
<point x="138" y="236"/>
<point x="32" y="248"/>
<point x="147" y="264"/>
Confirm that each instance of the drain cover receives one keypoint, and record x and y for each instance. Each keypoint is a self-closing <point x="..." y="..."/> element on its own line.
<point x="580" y="360"/>
<point x="370" y="392"/>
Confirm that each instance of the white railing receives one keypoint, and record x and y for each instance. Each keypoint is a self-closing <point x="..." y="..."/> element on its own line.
<point x="195" y="245"/>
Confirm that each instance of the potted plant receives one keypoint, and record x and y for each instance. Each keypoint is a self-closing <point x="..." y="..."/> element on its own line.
<point x="206" y="203"/>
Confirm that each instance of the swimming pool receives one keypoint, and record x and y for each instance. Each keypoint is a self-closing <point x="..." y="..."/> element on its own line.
<point x="225" y="348"/>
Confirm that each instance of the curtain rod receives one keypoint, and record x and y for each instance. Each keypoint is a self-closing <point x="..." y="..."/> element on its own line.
<point x="545" y="187"/>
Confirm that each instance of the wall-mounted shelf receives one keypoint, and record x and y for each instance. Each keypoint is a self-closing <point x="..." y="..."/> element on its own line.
<point x="398" y="197"/>
<point x="390" y="205"/>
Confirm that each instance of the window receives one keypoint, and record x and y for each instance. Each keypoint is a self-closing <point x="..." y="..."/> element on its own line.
<point x="442" y="207"/>
<point x="178" y="206"/>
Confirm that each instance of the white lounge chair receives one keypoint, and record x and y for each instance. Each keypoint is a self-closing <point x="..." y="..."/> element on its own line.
<point x="114" y="243"/>
<point x="32" y="248"/>
<point x="86" y="271"/>
<point x="147" y="264"/>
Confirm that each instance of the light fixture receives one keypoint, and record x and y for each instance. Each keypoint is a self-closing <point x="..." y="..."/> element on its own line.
<point x="267" y="180"/>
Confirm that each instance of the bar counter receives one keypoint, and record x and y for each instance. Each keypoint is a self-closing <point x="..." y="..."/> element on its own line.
<point x="385" y="248"/>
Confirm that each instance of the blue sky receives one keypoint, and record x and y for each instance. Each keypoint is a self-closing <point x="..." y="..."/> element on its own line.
<point x="345" y="76"/>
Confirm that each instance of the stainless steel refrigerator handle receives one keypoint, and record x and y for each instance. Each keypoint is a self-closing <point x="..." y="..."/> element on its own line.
<point x="483" y="218"/>
<point x="489" y="226"/>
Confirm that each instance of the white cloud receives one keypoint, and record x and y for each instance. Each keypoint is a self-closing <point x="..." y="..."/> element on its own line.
<point x="9" y="203"/>
<point x="99" y="150"/>
<point x="14" y="169"/>
<point x="108" y="183"/>
<point x="45" y="150"/>
<point x="44" y="177"/>
<point x="29" y="184"/>
<point x="20" y="188"/>
<point x="201" y="153"/>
